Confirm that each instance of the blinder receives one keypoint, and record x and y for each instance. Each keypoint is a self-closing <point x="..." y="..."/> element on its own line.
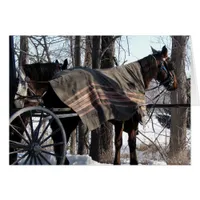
<point x="169" y="81"/>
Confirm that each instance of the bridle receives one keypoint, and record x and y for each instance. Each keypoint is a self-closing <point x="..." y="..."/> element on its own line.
<point x="169" y="80"/>
<point x="170" y="77"/>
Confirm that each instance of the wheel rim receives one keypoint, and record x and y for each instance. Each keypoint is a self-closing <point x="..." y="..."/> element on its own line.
<point x="29" y="141"/>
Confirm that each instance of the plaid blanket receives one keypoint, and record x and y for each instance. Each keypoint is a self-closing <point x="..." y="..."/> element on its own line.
<point x="101" y="95"/>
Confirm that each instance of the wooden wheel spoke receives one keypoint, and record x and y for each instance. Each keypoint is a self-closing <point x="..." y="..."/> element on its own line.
<point x="49" y="123"/>
<point x="29" y="142"/>
<point x="18" y="151"/>
<point x="15" y="144"/>
<point x="54" y="144"/>
<point x="19" y="134"/>
<point x="43" y="157"/>
<point x="53" y="133"/>
<point x="31" y="160"/>
<point x="52" y="154"/>
<point x="31" y="124"/>
<point x="27" y="134"/>
<point x="37" y="130"/>
<point x="35" y="161"/>
<point x="17" y="161"/>
<point x="38" y="157"/>
<point x="28" y="157"/>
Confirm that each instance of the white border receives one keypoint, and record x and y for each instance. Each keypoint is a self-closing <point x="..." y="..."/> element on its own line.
<point x="89" y="18"/>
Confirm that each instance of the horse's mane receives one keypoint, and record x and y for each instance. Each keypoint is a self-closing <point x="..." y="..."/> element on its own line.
<point x="40" y="71"/>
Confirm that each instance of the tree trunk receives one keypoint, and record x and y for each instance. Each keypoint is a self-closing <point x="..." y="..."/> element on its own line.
<point x="95" y="142"/>
<point x="77" y="52"/>
<point x="179" y="115"/>
<point x="77" y="61"/>
<point x="88" y="52"/>
<point x="23" y="57"/>
<point x="102" y="138"/>
<point x="82" y="139"/>
<point x="71" y="50"/>
<point x="82" y="130"/>
<point x="96" y="57"/>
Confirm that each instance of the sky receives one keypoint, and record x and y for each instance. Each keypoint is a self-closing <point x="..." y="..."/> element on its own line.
<point x="140" y="45"/>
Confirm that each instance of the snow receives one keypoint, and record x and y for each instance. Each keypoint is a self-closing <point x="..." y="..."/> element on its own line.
<point x="147" y="152"/>
<point x="146" y="155"/>
<point x="82" y="160"/>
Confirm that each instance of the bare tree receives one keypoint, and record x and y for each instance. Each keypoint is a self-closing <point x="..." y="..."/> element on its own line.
<point x="88" y="52"/>
<point x="102" y="138"/>
<point x="106" y="132"/>
<point x="77" y="62"/>
<point x="23" y="58"/>
<point x="82" y="129"/>
<point x="179" y="115"/>
<point x="96" y="52"/>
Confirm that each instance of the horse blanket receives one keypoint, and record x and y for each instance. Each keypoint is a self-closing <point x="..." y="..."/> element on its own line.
<point x="101" y="95"/>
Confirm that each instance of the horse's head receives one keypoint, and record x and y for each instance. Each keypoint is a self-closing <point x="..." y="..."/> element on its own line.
<point x="165" y="73"/>
<point x="37" y="78"/>
<point x="62" y="66"/>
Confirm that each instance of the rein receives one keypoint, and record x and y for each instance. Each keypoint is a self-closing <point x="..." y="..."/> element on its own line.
<point x="165" y="81"/>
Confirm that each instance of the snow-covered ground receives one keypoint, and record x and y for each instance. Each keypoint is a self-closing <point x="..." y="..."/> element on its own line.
<point x="151" y="143"/>
<point x="147" y="155"/>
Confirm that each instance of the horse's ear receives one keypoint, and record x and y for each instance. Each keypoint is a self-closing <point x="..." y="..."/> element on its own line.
<point x="153" y="50"/>
<point x="65" y="64"/>
<point x="164" y="52"/>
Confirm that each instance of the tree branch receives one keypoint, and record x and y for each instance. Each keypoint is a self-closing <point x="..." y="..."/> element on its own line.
<point x="114" y="38"/>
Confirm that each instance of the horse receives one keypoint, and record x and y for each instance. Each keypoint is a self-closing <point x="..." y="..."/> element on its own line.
<point x="128" y="109"/>
<point x="62" y="66"/>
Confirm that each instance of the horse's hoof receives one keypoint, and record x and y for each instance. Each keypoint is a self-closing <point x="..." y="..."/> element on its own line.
<point x="66" y="162"/>
<point x="134" y="162"/>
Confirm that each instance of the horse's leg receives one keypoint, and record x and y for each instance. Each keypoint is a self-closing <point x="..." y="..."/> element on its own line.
<point x="51" y="100"/>
<point x="132" y="147"/>
<point x="118" y="142"/>
<point x="132" y="132"/>
<point x="56" y="139"/>
<point x="69" y="125"/>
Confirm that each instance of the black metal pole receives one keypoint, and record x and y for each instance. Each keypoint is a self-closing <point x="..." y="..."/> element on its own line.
<point x="12" y="73"/>
<point x="168" y="105"/>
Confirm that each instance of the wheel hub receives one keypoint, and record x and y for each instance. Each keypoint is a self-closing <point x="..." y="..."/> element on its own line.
<point x="35" y="148"/>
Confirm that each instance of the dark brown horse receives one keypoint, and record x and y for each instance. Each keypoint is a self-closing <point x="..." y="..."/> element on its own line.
<point x="156" y="66"/>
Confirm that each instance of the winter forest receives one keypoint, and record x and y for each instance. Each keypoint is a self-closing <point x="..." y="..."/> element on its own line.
<point x="164" y="138"/>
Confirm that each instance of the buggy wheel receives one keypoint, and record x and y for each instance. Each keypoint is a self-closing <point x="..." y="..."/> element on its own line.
<point x="31" y="137"/>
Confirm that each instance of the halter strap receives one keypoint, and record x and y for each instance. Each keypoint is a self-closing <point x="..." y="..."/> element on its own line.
<point x="155" y="60"/>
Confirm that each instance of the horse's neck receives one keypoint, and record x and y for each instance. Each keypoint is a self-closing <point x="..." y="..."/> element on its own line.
<point x="149" y="69"/>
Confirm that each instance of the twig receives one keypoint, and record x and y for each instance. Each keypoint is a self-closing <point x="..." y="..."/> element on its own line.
<point x="154" y="145"/>
<point x="128" y="45"/>
<point x="113" y="39"/>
